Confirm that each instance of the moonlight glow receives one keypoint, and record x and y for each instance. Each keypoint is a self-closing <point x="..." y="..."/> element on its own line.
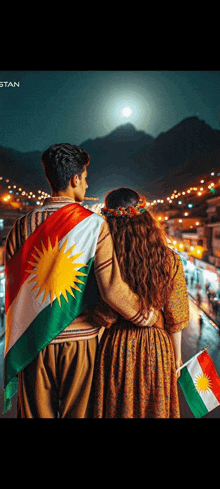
<point x="122" y="106"/>
<point x="127" y="111"/>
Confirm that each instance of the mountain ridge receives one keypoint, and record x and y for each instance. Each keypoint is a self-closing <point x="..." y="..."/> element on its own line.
<point x="129" y="157"/>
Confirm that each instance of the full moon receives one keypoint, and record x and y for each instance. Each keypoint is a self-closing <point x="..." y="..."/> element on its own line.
<point x="126" y="111"/>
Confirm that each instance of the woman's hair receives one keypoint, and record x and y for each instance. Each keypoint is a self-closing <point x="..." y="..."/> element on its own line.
<point x="141" y="247"/>
<point x="61" y="162"/>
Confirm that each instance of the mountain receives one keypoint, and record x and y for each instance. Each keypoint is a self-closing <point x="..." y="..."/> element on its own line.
<point x="110" y="165"/>
<point x="112" y="159"/>
<point x="23" y="168"/>
<point x="128" y="133"/>
<point x="188" y="149"/>
<point x="128" y="157"/>
<point x="185" y="174"/>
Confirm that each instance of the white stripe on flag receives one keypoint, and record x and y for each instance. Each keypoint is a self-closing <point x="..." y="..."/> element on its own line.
<point x="83" y="235"/>
<point x="194" y="368"/>
<point x="22" y="316"/>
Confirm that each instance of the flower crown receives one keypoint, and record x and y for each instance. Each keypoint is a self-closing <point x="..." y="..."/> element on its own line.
<point x="126" y="211"/>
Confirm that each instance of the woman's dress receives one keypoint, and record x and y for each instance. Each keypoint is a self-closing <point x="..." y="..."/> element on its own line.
<point x="135" y="374"/>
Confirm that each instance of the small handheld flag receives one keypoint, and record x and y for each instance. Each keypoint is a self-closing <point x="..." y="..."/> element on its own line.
<point x="200" y="383"/>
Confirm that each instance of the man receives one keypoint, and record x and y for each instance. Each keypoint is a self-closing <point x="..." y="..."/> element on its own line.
<point x="59" y="258"/>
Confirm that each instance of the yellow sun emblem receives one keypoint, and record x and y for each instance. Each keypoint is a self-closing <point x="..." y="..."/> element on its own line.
<point x="203" y="383"/>
<point x="55" y="271"/>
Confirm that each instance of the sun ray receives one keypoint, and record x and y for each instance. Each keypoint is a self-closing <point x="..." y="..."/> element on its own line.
<point x="49" y="245"/>
<point x="33" y="279"/>
<point x="78" y="265"/>
<point x="43" y="247"/>
<point x="63" y="247"/>
<point x="46" y="292"/>
<point x="38" y="251"/>
<point x="75" y="256"/>
<point x="55" y="272"/>
<point x="64" y="295"/>
<point x="76" y="287"/>
<point x="79" y="281"/>
<point x="31" y="271"/>
<point x="40" y="290"/>
<point x="32" y="263"/>
<point x="37" y="258"/>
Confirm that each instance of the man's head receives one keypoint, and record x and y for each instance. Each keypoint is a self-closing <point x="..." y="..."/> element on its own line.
<point x="65" y="169"/>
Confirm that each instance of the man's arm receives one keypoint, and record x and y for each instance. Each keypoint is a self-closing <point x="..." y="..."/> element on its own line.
<point x="112" y="288"/>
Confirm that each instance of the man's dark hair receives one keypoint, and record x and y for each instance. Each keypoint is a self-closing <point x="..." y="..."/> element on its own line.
<point x="61" y="162"/>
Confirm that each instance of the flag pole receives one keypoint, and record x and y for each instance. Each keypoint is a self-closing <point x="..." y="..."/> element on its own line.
<point x="188" y="361"/>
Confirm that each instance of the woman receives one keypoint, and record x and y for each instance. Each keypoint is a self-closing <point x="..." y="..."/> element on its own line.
<point x="135" y="373"/>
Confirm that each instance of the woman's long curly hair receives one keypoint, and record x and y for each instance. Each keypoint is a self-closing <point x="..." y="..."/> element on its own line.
<point x="141" y="247"/>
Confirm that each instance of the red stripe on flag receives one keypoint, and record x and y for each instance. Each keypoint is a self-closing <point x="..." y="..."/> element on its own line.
<point x="58" y="224"/>
<point x="209" y="369"/>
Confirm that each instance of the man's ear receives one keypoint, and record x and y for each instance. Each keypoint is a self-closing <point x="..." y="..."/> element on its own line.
<point x="75" y="181"/>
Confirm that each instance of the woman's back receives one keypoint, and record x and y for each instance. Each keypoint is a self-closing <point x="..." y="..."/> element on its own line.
<point x="135" y="374"/>
<point x="146" y="262"/>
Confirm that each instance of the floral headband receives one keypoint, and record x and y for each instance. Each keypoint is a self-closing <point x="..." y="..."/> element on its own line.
<point x="123" y="211"/>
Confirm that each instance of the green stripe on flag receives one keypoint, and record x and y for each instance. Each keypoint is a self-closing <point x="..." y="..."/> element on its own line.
<point x="47" y="325"/>
<point x="192" y="396"/>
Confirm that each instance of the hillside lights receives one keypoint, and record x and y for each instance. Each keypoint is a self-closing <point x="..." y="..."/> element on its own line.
<point x="197" y="251"/>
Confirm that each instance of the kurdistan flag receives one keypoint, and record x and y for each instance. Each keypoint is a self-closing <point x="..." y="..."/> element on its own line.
<point x="200" y="384"/>
<point x="49" y="282"/>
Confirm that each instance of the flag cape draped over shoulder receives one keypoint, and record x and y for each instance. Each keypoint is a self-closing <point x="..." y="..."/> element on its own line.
<point x="200" y="383"/>
<point x="49" y="282"/>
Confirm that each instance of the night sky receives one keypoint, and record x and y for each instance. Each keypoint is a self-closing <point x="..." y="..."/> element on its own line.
<point x="72" y="106"/>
